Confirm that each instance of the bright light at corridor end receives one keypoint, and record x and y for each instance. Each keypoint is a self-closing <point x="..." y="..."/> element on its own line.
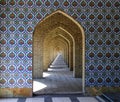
<point x="37" y="86"/>
<point x="59" y="53"/>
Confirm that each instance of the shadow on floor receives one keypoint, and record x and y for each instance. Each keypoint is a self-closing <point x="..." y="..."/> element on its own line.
<point x="57" y="81"/>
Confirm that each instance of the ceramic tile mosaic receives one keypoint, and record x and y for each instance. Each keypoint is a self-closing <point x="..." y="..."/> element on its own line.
<point x="99" y="18"/>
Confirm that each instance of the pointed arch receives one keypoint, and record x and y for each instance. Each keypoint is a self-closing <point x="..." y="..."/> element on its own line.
<point x="59" y="32"/>
<point x="52" y="43"/>
<point x="75" y="32"/>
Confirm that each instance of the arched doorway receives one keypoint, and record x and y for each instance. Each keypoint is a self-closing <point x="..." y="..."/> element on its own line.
<point x="60" y="29"/>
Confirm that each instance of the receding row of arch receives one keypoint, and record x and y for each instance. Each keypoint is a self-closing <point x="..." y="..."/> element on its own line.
<point x="58" y="33"/>
<point x="58" y="41"/>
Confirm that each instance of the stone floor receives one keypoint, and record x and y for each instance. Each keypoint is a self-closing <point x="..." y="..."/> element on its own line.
<point x="111" y="96"/>
<point x="53" y="98"/>
<point x="58" y="79"/>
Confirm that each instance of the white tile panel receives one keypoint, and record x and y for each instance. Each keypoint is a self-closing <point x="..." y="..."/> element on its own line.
<point x="87" y="99"/>
<point x="34" y="100"/>
<point x="61" y="99"/>
<point x="9" y="100"/>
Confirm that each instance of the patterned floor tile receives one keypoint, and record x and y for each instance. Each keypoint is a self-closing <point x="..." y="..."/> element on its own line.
<point x="87" y="99"/>
<point x="34" y="100"/>
<point x="61" y="99"/>
<point x="8" y="100"/>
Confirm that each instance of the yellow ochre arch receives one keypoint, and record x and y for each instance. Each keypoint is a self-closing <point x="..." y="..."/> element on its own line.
<point x="75" y="32"/>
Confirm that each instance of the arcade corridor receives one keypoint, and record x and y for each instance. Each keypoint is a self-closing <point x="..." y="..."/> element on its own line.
<point x="57" y="38"/>
<point x="58" y="79"/>
<point x="34" y="32"/>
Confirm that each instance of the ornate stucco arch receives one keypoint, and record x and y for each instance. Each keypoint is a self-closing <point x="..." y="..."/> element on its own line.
<point x="75" y="32"/>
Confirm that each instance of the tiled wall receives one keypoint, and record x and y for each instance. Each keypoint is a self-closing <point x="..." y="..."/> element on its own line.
<point x="101" y="22"/>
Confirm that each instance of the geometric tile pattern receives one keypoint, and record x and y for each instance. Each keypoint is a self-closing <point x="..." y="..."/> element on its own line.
<point x="53" y="99"/>
<point x="100" y="20"/>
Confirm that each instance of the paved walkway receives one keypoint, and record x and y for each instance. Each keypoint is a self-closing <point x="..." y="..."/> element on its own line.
<point x="58" y="79"/>
<point x="52" y="98"/>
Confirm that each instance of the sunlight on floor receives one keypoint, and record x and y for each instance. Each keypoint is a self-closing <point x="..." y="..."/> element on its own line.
<point x="37" y="86"/>
<point x="46" y="74"/>
<point x="50" y="69"/>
